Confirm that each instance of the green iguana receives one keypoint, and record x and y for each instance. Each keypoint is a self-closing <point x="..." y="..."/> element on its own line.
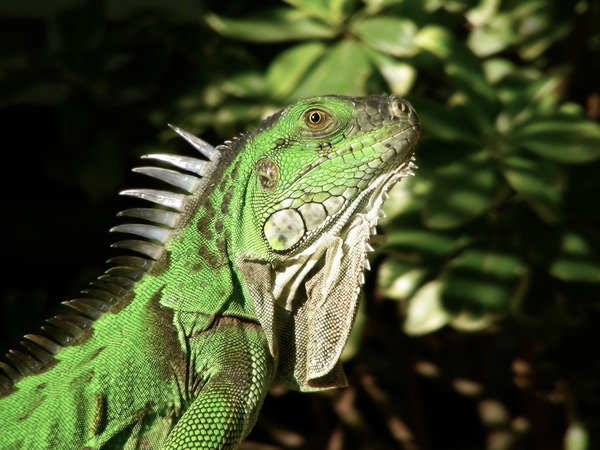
<point x="245" y="274"/>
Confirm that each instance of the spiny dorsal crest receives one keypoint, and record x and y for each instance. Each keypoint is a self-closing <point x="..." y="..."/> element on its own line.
<point x="188" y="176"/>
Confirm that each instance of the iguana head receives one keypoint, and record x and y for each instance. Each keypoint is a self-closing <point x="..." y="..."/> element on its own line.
<point x="322" y="160"/>
<point x="320" y="170"/>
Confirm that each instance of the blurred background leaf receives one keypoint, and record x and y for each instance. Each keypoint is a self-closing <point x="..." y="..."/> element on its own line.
<point x="480" y="314"/>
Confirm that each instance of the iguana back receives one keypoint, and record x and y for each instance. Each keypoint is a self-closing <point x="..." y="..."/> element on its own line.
<point x="246" y="272"/>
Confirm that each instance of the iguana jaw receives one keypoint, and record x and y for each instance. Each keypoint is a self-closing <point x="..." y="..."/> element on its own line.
<point x="369" y="200"/>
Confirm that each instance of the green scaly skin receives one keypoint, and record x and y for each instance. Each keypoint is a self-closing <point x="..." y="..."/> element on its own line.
<point x="249" y="275"/>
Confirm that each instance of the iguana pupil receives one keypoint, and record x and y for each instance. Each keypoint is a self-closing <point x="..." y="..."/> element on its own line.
<point x="317" y="118"/>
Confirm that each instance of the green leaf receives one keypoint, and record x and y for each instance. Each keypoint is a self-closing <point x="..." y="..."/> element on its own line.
<point x="399" y="280"/>
<point x="425" y="313"/>
<point x="481" y="280"/>
<point x="528" y="26"/>
<point x="493" y="37"/>
<point x="399" y="76"/>
<point x="436" y="40"/>
<point x="536" y="29"/>
<point x="473" y="322"/>
<point x="419" y="244"/>
<point x="333" y="12"/>
<point x="524" y="94"/>
<point x="460" y="192"/>
<point x="561" y="139"/>
<point x="578" y="260"/>
<point x="577" y="437"/>
<point x="540" y="183"/>
<point x="445" y="122"/>
<point x="275" y="25"/>
<point x="290" y="66"/>
<point x="343" y="69"/>
<point x="464" y="70"/>
<point x="244" y="84"/>
<point x="391" y="35"/>
<point x="375" y="6"/>
<point x="483" y="13"/>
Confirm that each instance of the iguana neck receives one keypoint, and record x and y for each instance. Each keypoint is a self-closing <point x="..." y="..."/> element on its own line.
<point x="197" y="262"/>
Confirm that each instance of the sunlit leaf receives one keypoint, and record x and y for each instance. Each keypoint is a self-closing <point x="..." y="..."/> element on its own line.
<point x="288" y="68"/>
<point x="577" y="437"/>
<point x="425" y="312"/>
<point x="399" y="76"/>
<point x="375" y="6"/>
<point x="493" y="37"/>
<point x="276" y="25"/>
<point x="330" y="11"/>
<point x="400" y="280"/>
<point x="437" y="40"/>
<point x="483" y="13"/>
<point x="497" y="69"/>
<point x="536" y="29"/>
<point x="472" y="322"/>
<point x="327" y="76"/>
<point x="401" y="200"/>
<point x="391" y="35"/>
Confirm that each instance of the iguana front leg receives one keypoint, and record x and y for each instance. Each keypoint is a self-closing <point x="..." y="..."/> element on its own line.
<point x="236" y="367"/>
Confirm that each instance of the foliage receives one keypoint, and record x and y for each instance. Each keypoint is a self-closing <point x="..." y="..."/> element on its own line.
<point x="485" y="291"/>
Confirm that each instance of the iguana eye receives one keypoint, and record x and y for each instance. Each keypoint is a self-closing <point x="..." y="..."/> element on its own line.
<point x="316" y="118"/>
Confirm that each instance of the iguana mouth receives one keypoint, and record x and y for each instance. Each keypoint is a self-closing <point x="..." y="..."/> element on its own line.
<point x="380" y="184"/>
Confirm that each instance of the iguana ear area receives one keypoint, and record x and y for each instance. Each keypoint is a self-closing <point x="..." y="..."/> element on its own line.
<point x="268" y="173"/>
<point x="286" y="228"/>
